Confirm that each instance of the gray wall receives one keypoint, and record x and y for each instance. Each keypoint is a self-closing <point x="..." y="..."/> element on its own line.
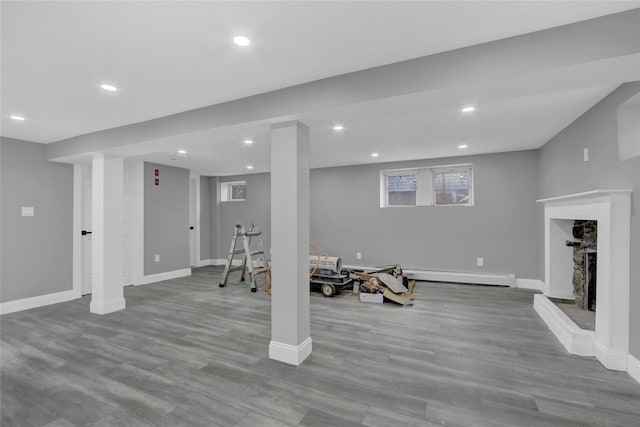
<point x="563" y="171"/>
<point x="346" y="217"/>
<point x="37" y="252"/>
<point x="256" y="208"/>
<point x="166" y="219"/>
<point x="214" y="219"/>
<point x="205" y="218"/>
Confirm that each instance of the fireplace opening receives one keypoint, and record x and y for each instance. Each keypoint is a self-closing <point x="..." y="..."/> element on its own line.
<point x="585" y="256"/>
<point x="583" y="262"/>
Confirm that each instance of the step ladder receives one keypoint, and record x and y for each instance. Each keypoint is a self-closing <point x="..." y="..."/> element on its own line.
<point x="247" y="253"/>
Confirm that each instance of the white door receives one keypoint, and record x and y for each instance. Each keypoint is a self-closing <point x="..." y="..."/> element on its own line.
<point x="86" y="230"/>
<point x="193" y="218"/>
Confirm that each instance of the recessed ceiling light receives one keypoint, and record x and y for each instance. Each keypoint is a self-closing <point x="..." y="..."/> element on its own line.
<point x="462" y="146"/>
<point x="375" y="154"/>
<point x="468" y="109"/>
<point x="338" y="127"/>
<point x="18" y="118"/>
<point x="249" y="167"/>
<point x="248" y="141"/>
<point x="110" y="88"/>
<point x="242" y="41"/>
<point x="182" y="152"/>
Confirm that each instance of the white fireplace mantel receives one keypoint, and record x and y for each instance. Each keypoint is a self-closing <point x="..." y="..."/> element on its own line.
<point x="612" y="210"/>
<point x="583" y="196"/>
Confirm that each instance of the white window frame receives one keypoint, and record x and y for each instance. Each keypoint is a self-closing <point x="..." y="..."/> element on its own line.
<point x="453" y="169"/>
<point x="384" y="194"/>
<point x="226" y="191"/>
<point x="425" y="184"/>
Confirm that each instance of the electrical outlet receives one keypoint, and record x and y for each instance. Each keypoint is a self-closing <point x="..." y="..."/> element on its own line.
<point x="157" y="258"/>
<point x="480" y="262"/>
<point x="358" y="255"/>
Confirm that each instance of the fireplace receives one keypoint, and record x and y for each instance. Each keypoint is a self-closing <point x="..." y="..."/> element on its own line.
<point x="585" y="255"/>
<point x="611" y="210"/>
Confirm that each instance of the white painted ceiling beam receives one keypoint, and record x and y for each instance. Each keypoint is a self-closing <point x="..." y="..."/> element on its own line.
<point x="596" y="40"/>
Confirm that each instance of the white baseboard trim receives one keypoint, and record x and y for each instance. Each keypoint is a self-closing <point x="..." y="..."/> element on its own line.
<point x="633" y="367"/>
<point x="497" y="279"/>
<point x="577" y="341"/>
<point x="204" y="262"/>
<point x="37" y="301"/>
<point x="152" y="278"/>
<point x="106" y="307"/>
<point x="610" y="359"/>
<point x="534" y="284"/>
<point x="291" y="354"/>
<point x="236" y="262"/>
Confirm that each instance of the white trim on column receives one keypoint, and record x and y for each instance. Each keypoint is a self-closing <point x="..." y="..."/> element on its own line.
<point x="106" y="307"/>
<point x="609" y="358"/>
<point x="37" y="301"/>
<point x="291" y="354"/>
<point x="633" y="368"/>
<point x="168" y="275"/>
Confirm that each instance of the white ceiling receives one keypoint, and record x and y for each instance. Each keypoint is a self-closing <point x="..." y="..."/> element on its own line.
<point x="168" y="57"/>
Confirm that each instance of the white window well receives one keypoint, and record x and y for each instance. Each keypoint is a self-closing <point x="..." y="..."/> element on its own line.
<point x="233" y="191"/>
<point x="428" y="186"/>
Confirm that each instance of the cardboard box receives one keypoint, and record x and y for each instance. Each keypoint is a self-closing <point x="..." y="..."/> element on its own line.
<point x="378" y="298"/>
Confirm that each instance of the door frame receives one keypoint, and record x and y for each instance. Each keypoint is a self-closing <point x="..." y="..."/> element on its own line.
<point x="78" y="175"/>
<point x="136" y="248"/>
<point x="194" y="220"/>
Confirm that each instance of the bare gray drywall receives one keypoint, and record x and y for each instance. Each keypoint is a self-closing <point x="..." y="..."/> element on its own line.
<point x="166" y="219"/>
<point x="346" y="217"/>
<point x="256" y="208"/>
<point x="563" y="171"/>
<point x="37" y="251"/>
<point x="205" y="218"/>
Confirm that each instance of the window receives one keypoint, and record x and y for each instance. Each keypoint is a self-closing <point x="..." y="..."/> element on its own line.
<point x="432" y="186"/>
<point x="401" y="190"/>
<point x="230" y="191"/>
<point x="452" y="187"/>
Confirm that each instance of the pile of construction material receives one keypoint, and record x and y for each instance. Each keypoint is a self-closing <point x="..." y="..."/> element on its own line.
<point x="385" y="284"/>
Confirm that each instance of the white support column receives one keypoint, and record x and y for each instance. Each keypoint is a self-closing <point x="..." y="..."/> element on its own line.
<point x="290" y="323"/>
<point x="107" y="214"/>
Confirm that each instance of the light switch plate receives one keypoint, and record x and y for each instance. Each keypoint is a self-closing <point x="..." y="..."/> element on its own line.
<point x="28" y="211"/>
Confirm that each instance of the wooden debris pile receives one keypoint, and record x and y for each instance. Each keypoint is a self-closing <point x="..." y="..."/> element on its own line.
<point x="389" y="282"/>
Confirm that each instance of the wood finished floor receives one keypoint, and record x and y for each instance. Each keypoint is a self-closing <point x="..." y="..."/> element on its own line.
<point x="187" y="353"/>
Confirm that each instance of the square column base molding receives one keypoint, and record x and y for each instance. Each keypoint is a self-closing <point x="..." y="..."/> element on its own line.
<point x="106" y="307"/>
<point x="291" y="354"/>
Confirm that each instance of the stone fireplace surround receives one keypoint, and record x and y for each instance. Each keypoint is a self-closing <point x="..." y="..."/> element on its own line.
<point x="609" y="343"/>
